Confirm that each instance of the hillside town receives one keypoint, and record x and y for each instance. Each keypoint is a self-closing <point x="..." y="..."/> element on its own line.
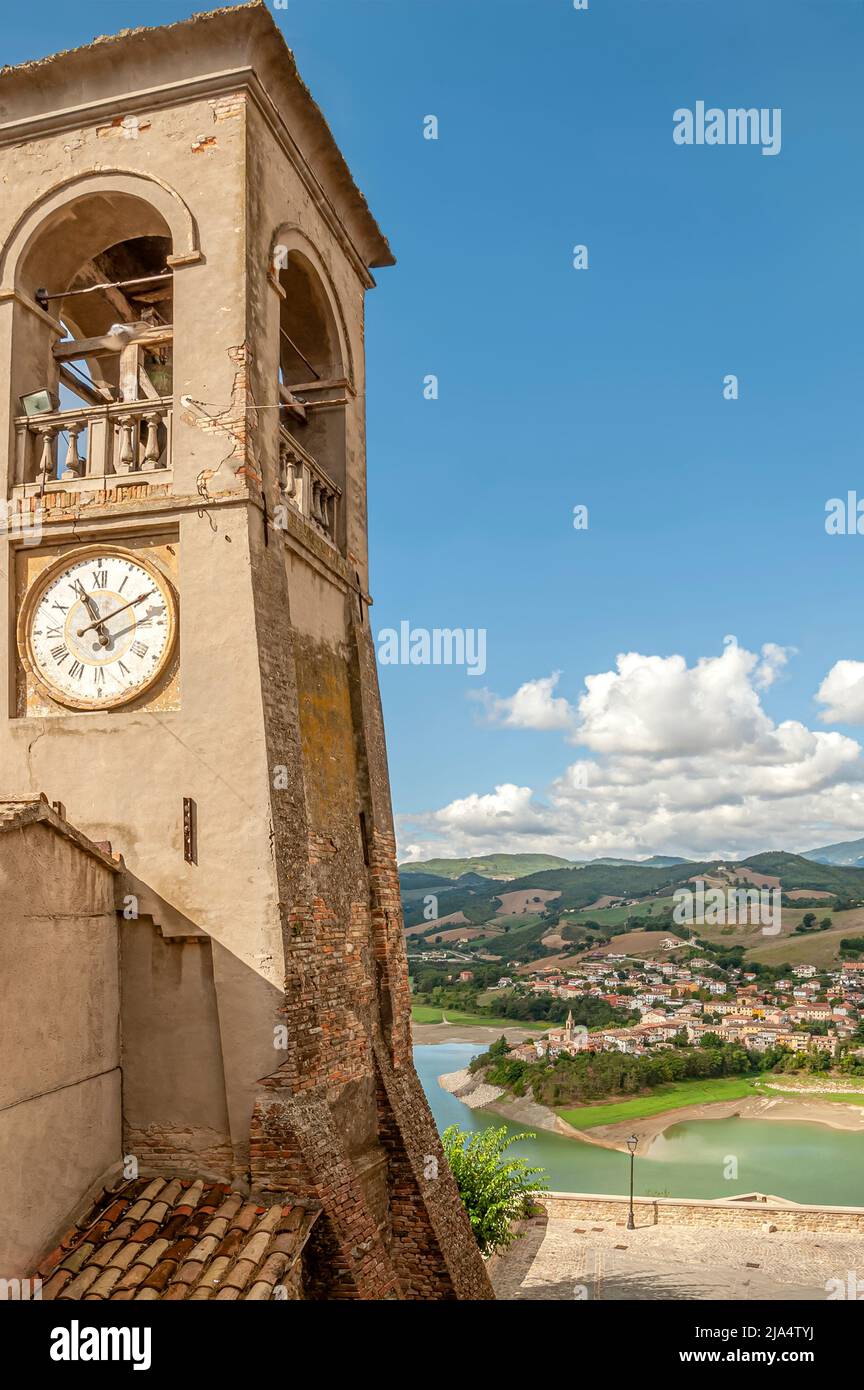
<point x="805" y="1010"/>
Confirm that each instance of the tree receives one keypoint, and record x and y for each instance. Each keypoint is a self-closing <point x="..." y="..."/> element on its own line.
<point x="494" y="1190"/>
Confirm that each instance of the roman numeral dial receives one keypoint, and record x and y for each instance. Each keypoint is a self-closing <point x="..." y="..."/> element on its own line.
<point x="98" y="628"/>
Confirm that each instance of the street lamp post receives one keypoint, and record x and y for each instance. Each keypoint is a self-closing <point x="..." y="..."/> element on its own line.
<point x="631" y="1144"/>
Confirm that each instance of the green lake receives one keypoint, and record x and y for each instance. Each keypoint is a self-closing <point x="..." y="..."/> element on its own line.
<point x="804" y="1162"/>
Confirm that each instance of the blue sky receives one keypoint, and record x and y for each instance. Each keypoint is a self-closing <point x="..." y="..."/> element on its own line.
<point x="603" y="387"/>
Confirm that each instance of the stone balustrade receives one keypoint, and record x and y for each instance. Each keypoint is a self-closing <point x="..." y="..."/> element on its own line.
<point x="306" y="487"/>
<point x="87" y="444"/>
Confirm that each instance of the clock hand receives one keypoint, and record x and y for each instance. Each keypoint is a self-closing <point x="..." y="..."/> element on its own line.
<point x="94" y="612"/>
<point x="113" y="614"/>
<point x="87" y="600"/>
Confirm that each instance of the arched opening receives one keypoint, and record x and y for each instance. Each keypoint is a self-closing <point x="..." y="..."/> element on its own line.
<point x="308" y="342"/>
<point x="98" y="400"/>
<point x="312" y="396"/>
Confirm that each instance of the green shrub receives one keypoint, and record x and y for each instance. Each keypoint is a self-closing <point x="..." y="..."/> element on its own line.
<point x="494" y="1190"/>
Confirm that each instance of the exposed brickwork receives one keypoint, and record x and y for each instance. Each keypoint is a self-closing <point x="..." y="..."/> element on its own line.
<point x="178" y="1149"/>
<point x="58" y="503"/>
<point x="224" y="108"/>
<point x="388" y="945"/>
<point x="433" y="1245"/>
<point x="314" y="1131"/>
<point x="295" y="1151"/>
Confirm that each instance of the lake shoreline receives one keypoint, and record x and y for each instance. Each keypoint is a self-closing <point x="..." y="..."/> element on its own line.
<point x="831" y="1114"/>
<point x="473" y="1091"/>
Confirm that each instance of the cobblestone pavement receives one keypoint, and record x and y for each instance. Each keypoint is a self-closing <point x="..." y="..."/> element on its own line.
<point x="565" y="1259"/>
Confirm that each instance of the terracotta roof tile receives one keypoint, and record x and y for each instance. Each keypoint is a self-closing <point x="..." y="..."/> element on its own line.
<point x="153" y="1188"/>
<point x="104" y="1284"/>
<point x="56" y="1284"/>
<point x="136" y="1212"/>
<point x="259" y="1291"/>
<point x="123" y="1230"/>
<point x="216" y="1271"/>
<point x="159" y="1277"/>
<point x="230" y="1206"/>
<point x="180" y="1239"/>
<point x="132" y="1278"/>
<point x="247" y="1218"/>
<point x="256" y="1247"/>
<point x="176" y="1223"/>
<point x="125" y="1256"/>
<point x="80" y="1284"/>
<point x="239" y="1275"/>
<point x="231" y="1243"/>
<point x="205" y="1249"/>
<point x="180" y="1249"/>
<point x="105" y="1253"/>
<point x="152" y="1253"/>
<point x="76" y="1258"/>
<point x="158" y="1212"/>
<point x="145" y="1231"/>
<point x="217" y="1227"/>
<point x="192" y="1196"/>
<point x="190" y="1272"/>
<point x="175" y="1291"/>
<point x="115" y="1210"/>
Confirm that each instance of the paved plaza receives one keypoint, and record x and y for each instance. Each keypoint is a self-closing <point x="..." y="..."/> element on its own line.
<point x="567" y="1258"/>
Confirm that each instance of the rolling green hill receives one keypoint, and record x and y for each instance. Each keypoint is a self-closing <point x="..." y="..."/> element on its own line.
<point x="794" y="871"/>
<point x="641" y="887"/>
<point x="497" y="866"/>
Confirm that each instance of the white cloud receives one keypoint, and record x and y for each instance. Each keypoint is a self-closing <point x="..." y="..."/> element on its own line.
<point x="842" y="691"/>
<point x="532" y="707"/>
<point x="684" y="760"/>
<point x="659" y="707"/>
<point x="773" y="661"/>
<point x="509" y="810"/>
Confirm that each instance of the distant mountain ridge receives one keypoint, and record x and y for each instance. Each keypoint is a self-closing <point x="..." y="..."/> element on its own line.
<point x="846" y="854"/>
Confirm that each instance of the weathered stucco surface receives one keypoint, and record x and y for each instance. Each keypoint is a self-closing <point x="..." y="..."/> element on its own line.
<point x="59" y="1006"/>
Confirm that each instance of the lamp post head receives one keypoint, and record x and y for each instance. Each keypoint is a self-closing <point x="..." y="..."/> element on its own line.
<point x="632" y="1142"/>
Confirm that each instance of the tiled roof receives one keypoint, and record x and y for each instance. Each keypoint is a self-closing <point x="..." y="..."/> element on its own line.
<point x="178" y="1238"/>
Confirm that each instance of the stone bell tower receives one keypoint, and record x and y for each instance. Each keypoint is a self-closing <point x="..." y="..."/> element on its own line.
<point x="188" y="668"/>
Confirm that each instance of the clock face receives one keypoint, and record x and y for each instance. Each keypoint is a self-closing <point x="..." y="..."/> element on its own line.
<point x="98" y="628"/>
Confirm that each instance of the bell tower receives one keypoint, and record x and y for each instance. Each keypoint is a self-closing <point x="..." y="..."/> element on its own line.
<point x="188" y="666"/>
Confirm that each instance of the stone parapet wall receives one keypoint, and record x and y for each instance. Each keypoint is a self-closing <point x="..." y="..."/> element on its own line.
<point x="680" y="1211"/>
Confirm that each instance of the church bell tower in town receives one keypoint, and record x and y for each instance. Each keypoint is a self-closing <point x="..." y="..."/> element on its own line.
<point x="189" y="673"/>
